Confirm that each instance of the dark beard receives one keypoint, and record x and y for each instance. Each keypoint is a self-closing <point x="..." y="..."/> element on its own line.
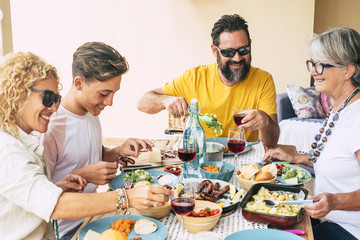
<point x="231" y="76"/>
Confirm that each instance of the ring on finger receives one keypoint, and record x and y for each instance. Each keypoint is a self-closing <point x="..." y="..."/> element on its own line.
<point x="155" y="204"/>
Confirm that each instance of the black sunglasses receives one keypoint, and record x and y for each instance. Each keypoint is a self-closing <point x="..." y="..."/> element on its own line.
<point x="230" y="52"/>
<point x="49" y="97"/>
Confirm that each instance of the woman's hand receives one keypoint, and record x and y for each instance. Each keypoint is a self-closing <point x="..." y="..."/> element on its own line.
<point x="72" y="183"/>
<point x="99" y="173"/>
<point x="324" y="203"/>
<point x="147" y="196"/>
<point x="279" y="154"/>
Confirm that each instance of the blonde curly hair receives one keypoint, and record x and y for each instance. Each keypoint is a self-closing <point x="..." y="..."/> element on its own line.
<point x="19" y="72"/>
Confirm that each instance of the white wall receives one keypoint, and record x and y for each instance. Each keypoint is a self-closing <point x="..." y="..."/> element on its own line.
<point x="160" y="39"/>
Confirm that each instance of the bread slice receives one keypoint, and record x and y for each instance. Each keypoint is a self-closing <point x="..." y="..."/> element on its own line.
<point x="144" y="226"/>
<point x="92" y="235"/>
<point x="141" y="183"/>
<point x="112" y="235"/>
<point x="270" y="168"/>
<point x="249" y="171"/>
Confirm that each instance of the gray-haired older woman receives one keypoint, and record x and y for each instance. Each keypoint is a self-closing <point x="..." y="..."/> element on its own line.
<point x="335" y="152"/>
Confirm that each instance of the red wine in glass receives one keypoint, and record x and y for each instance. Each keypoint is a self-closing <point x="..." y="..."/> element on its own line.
<point x="186" y="154"/>
<point x="236" y="146"/>
<point x="238" y="117"/>
<point x="183" y="206"/>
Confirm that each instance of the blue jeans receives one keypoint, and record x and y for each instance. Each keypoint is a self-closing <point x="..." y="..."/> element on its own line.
<point x="330" y="231"/>
<point x="71" y="233"/>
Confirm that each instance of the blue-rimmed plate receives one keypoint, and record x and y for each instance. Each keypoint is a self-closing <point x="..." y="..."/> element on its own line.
<point x="279" y="180"/>
<point x="101" y="225"/>
<point x="223" y="141"/>
<point x="119" y="180"/>
<point x="268" y="234"/>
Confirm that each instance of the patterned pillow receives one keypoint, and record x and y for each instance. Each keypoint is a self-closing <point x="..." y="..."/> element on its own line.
<point x="306" y="102"/>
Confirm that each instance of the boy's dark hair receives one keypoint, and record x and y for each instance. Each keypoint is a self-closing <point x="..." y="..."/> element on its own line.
<point x="98" y="61"/>
<point x="228" y="23"/>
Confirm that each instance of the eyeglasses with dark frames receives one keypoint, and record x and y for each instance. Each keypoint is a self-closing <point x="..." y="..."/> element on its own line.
<point x="319" y="67"/>
<point x="49" y="97"/>
<point x="230" y="52"/>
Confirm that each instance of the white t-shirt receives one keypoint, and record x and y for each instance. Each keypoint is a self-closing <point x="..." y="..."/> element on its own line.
<point x="71" y="142"/>
<point x="337" y="170"/>
<point x="27" y="196"/>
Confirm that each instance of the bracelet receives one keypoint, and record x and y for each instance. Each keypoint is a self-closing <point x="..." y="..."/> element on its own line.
<point x="121" y="202"/>
<point x="126" y="198"/>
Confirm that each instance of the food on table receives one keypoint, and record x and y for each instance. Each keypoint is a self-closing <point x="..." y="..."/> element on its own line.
<point x="112" y="235"/>
<point x="204" y="212"/>
<point x="154" y="155"/>
<point x="168" y="154"/>
<point x="92" y="235"/>
<point x="211" y="168"/>
<point x="173" y="169"/>
<point x="255" y="173"/>
<point x="139" y="238"/>
<point x="165" y="179"/>
<point x="258" y="204"/>
<point x="238" y="195"/>
<point x="137" y="176"/>
<point x="293" y="175"/>
<point x="141" y="183"/>
<point x="144" y="226"/>
<point x="178" y="190"/>
<point x="211" y="121"/>
<point x="211" y="191"/>
<point x="123" y="225"/>
<point x="232" y="191"/>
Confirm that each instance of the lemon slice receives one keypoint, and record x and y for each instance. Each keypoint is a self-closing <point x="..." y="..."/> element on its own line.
<point x="221" y="204"/>
<point x="178" y="189"/>
<point x="238" y="195"/>
<point x="232" y="191"/>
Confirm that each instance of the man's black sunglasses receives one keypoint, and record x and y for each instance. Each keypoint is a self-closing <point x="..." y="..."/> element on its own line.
<point x="230" y="52"/>
<point x="49" y="97"/>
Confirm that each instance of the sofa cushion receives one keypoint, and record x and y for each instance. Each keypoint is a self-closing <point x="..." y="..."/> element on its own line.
<point x="306" y="102"/>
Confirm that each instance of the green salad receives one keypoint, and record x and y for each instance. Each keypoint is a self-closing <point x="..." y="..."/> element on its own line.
<point x="211" y="121"/>
<point x="137" y="176"/>
<point x="293" y="175"/>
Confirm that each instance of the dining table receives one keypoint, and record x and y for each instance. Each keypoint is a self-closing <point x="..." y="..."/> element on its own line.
<point x="230" y="222"/>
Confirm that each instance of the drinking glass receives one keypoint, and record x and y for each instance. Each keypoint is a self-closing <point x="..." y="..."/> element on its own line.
<point x="187" y="153"/>
<point x="239" y="112"/>
<point x="184" y="204"/>
<point x="236" y="141"/>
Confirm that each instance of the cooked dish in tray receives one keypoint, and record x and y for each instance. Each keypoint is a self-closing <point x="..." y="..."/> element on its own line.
<point x="258" y="204"/>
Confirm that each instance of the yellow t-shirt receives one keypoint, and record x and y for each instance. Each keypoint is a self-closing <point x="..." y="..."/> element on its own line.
<point x="256" y="91"/>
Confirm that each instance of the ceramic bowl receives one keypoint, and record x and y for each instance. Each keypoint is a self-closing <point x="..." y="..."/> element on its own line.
<point x="156" y="212"/>
<point x="225" y="176"/>
<point x="200" y="224"/>
<point x="247" y="184"/>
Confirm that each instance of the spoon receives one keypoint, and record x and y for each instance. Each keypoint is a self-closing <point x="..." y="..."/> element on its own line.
<point x="222" y="167"/>
<point x="274" y="203"/>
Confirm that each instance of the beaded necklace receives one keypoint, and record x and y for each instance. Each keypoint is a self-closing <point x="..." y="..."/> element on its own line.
<point x="322" y="137"/>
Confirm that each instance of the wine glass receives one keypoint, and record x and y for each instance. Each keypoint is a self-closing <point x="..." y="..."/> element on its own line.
<point x="184" y="204"/>
<point x="187" y="153"/>
<point x="239" y="112"/>
<point x="236" y="141"/>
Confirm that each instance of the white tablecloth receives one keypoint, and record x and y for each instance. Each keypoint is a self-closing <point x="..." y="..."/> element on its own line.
<point x="229" y="224"/>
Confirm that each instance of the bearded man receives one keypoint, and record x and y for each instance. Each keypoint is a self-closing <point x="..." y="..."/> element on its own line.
<point x="219" y="87"/>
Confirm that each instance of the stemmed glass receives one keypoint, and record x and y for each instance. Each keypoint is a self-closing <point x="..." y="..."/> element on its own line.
<point x="239" y="112"/>
<point x="184" y="204"/>
<point x="187" y="153"/>
<point x="236" y="141"/>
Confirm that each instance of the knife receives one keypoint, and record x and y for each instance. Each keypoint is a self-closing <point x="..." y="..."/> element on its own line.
<point x="149" y="165"/>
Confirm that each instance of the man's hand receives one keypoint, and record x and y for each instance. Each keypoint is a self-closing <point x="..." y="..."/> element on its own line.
<point x="254" y="120"/>
<point x="177" y="106"/>
<point x="72" y="183"/>
<point x="132" y="147"/>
